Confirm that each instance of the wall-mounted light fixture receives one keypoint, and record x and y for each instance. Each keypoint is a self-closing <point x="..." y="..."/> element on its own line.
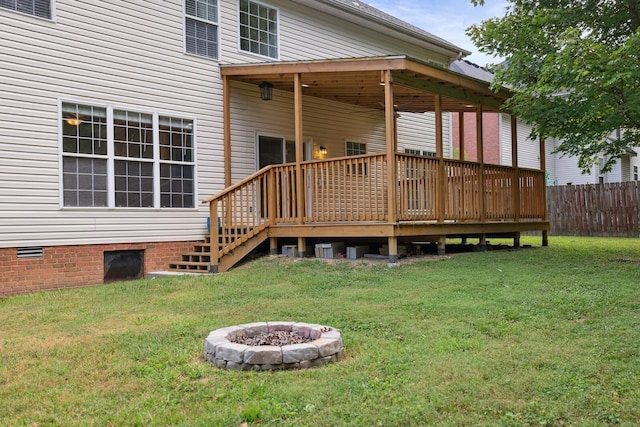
<point x="266" y="91"/>
<point x="322" y="149"/>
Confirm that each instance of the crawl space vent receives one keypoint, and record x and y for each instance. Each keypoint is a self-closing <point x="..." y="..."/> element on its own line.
<point x="31" y="252"/>
<point x="123" y="265"/>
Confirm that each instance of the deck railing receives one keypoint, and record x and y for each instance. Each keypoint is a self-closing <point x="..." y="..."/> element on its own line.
<point x="355" y="189"/>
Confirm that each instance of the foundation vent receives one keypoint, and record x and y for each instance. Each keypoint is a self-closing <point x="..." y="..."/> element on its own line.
<point x="31" y="252"/>
<point x="123" y="265"/>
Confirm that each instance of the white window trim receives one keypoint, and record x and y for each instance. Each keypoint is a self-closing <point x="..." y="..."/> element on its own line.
<point x="184" y="33"/>
<point x="111" y="156"/>
<point x="246" y="52"/>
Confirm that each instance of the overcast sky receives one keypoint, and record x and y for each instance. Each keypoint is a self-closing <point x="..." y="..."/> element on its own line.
<point x="447" y="19"/>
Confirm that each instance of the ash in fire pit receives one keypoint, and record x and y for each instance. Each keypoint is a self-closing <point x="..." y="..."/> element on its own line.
<point x="273" y="338"/>
<point x="268" y="346"/>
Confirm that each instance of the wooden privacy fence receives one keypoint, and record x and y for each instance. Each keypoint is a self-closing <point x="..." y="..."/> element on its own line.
<point x="606" y="210"/>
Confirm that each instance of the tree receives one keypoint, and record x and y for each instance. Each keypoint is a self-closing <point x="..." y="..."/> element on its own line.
<point x="574" y="69"/>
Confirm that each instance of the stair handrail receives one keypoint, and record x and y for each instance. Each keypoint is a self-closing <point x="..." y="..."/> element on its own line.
<point x="239" y="184"/>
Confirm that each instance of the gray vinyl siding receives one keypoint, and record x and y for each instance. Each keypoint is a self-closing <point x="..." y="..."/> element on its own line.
<point x="131" y="55"/>
<point x="418" y="132"/>
<point x="326" y="123"/>
<point x="305" y="33"/>
<point x="528" y="149"/>
<point x="506" y="158"/>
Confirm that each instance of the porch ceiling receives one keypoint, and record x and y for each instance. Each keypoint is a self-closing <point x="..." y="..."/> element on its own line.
<point x="358" y="82"/>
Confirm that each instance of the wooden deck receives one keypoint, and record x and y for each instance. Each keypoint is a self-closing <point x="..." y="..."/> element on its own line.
<point x="387" y="195"/>
<point x="348" y="197"/>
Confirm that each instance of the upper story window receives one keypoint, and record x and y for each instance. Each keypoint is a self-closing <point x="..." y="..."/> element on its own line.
<point x="121" y="158"/>
<point x="635" y="173"/>
<point x="258" y="29"/>
<point x="40" y="8"/>
<point x="201" y="27"/>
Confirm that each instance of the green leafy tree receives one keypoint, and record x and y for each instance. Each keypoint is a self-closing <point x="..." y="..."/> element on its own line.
<point x="574" y="68"/>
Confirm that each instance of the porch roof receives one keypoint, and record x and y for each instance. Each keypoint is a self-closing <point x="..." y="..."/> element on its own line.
<point x="359" y="81"/>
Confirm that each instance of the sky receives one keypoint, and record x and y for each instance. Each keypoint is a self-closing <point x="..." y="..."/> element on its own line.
<point x="447" y="19"/>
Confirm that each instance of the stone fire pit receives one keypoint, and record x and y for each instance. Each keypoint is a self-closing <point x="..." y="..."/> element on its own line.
<point x="313" y="345"/>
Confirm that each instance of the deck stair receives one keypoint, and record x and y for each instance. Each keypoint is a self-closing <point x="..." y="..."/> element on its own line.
<point x="199" y="259"/>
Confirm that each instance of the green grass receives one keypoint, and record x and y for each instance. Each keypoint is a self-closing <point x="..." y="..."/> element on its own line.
<point x="535" y="337"/>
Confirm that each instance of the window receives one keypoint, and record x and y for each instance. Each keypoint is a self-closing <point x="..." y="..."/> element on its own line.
<point x="133" y="159"/>
<point x="258" y="29"/>
<point x="84" y="161"/>
<point x="356" y="149"/>
<point x="110" y="158"/>
<point x="201" y="27"/>
<point x="635" y="173"/>
<point x="40" y="8"/>
<point x="420" y="152"/>
<point x="177" y="182"/>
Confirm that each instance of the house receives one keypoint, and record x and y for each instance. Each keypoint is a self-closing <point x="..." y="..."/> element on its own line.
<point x="564" y="170"/>
<point x="118" y="119"/>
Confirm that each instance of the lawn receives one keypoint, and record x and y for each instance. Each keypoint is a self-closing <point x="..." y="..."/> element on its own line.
<point x="534" y="337"/>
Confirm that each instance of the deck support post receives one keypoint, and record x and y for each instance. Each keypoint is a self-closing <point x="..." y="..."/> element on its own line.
<point x="516" y="241"/>
<point x="483" y="243"/>
<point x="442" y="245"/>
<point x="302" y="247"/>
<point x="545" y="238"/>
<point x="273" y="246"/>
<point x="393" y="249"/>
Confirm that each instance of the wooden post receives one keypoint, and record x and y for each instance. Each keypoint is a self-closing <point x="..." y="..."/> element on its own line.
<point x="442" y="178"/>
<point x="391" y="147"/>
<point x="393" y="249"/>
<point x="300" y="190"/>
<point x="271" y="209"/>
<point x="483" y="243"/>
<point x="214" y="237"/>
<point x="463" y="208"/>
<point x="226" y="118"/>
<point x="480" y="160"/>
<point x="442" y="245"/>
<point x="543" y="168"/>
<point x="515" y="186"/>
<point x="461" y="135"/>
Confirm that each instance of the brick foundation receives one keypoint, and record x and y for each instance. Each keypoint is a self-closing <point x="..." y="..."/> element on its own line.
<point x="76" y="266"/>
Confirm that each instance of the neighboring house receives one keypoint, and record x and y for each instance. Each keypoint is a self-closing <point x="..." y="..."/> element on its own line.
<point x="117" y="119"/>
<point x="496" y="130"/>
<point x="563" y="169"/>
